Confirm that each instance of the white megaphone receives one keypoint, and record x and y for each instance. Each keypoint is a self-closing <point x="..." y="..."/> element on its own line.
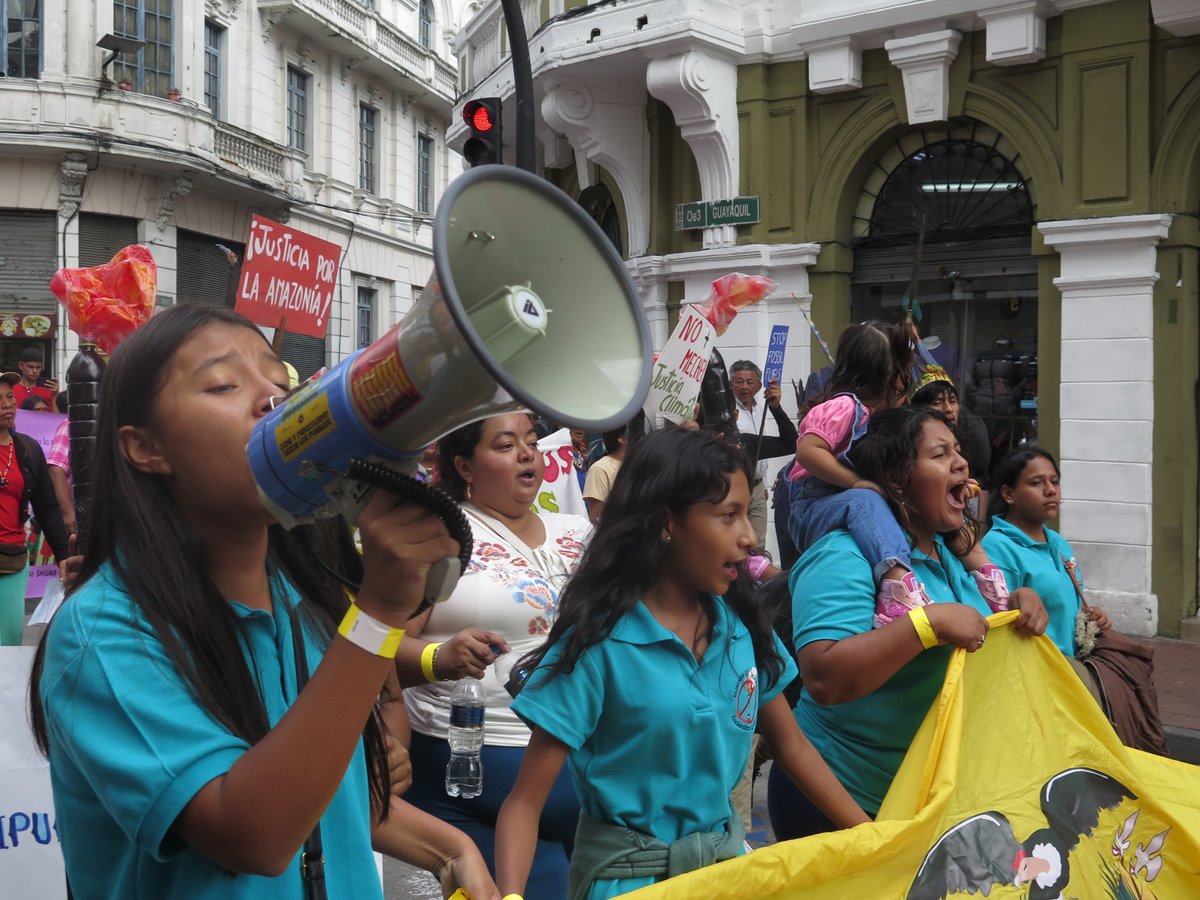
<point x="529" y="307"/>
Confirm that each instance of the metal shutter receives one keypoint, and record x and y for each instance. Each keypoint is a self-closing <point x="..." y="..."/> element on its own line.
<point x="28" y="260"/>
<point x="100" y="237"/>
<point x="203" y="272"/>
<point x="306" y="353"/>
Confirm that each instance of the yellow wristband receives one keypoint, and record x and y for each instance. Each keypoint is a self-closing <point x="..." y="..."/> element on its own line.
<point x="512" y="897"/>
<point x="427" y="659"/>
<point x="920" y="621"/>
<point x="370" y="634"/>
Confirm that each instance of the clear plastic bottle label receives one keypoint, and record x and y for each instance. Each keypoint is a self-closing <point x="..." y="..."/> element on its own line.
<point x="466" y="716"/>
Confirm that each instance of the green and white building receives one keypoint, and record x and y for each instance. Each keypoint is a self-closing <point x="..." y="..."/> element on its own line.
<point x="1047" y="152"/>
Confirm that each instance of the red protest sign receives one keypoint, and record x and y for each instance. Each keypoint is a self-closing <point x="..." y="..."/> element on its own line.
<point x="288" y="275"/>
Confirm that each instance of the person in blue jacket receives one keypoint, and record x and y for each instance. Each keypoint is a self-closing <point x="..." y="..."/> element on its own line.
<point x="186" y="758"/>
<point x="1025" y="496"/>
<point x="653" y="680"/>
<point x="867" y="689"/>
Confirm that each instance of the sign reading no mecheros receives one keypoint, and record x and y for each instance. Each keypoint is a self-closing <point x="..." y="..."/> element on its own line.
<point x="288" y="275"/>
<point x="712" y="213"/>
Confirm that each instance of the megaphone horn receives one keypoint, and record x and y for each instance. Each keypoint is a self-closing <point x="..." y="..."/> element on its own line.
<point x="529" y="307"/>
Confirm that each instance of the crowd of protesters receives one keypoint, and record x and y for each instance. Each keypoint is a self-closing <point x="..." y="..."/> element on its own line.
<point x="206" y="715"/>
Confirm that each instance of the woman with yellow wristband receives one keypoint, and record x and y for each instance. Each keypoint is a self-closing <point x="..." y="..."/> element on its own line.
<point x="867" y="689"/>
<point x="505" y="603"/>
<point x="207" y="696"/>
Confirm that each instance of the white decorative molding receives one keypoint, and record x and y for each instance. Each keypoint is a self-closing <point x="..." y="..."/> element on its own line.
<point x="178" y="186"/>
<point x="1015" y="34"/>
<point x="271" y="17"/>
<point x="1180" y="17"/>
<point x="701" y="90"/>
<point x="834" y="65"/>
<point x="924" y="62"/>
<point x="73" y="173"/>
<point x="1106" y="394"/>
<point x="606" y="125"/>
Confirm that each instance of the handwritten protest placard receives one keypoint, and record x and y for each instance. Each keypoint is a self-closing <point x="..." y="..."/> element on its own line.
<point x="680" y="368"/>
<point x="776" y="347"/>
<point x="288" y="275"/>
<point x="31" y="863"/>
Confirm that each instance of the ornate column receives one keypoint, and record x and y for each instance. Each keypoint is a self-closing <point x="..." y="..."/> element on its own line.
<point x="1109" y="268"/>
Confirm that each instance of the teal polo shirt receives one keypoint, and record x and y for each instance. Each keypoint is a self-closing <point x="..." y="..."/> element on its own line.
<point x="833" y="597"/>
<point x="130" y="747"/>
<point x="1041" y="566"/>
<point x="658" y="740"/>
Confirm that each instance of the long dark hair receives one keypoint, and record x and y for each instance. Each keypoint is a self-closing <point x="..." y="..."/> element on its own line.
<point x="1008" y="473"/>
<point x="135" y="526"/>
<point x="665" y="471"/>
<point x="874" y="363"/>
<point x="887" y="455"/>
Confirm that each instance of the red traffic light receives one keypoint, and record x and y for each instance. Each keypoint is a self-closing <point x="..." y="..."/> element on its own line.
<point x="478" y="116"/>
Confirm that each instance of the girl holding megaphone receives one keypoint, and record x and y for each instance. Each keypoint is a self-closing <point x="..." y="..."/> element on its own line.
<point x="211" y="727"/>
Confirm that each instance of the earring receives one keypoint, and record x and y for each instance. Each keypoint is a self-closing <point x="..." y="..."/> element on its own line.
<point x="666" y="539"/>
<point x="468" y="490"/>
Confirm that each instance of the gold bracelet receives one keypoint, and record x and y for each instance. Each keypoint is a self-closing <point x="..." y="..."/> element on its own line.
<point x="370" y="634"/>
<point x="920" y="621"/>
<point x="429" y="663"/>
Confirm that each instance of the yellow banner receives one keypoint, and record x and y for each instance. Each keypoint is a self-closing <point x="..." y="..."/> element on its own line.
<point x="1015" y="786"/>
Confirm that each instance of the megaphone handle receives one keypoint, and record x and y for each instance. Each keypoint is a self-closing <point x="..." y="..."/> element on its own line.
<point x="443" y="576"/>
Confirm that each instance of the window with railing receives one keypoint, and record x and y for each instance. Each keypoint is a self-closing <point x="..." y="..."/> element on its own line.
<point x="424" y="172"/>
<point x="214" y="39"/>
<point x="425" y="23"/>
<point x="366" y="316"/>
<point x="149" y="70"/>
<point x="368" y="119"/>
<point x="21" y="49"/>
<point x="297" y="109"/>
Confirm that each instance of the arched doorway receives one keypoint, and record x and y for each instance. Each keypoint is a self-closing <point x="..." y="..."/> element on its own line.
<point x="961" y="189"/>
<point x="598" y="202"/>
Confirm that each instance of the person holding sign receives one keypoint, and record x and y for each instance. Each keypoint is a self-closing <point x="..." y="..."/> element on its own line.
<point x="190" y="756"/>
<point x="761" y="439"/>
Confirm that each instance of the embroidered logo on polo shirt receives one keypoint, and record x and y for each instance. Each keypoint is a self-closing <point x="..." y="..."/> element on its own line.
<point x="745" y="701"/>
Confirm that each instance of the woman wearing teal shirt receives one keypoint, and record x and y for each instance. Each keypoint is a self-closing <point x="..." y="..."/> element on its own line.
<point x="653" y="680"/>
<point x="866" y="689"/>
<point x="186" y="761"/>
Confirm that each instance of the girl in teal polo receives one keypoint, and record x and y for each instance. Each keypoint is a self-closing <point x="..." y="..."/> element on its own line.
<point x="1026" y="496"/>
<point x="653" y="680"/>
<point x="187" y="758"/>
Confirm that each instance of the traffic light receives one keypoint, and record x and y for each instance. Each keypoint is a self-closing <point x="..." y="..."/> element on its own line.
<point x="483" y="118"/>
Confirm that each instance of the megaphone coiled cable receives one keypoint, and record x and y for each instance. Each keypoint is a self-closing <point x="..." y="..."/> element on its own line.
<point x="430" y="496"/>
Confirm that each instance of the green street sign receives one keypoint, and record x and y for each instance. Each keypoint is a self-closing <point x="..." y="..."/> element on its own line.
<point x="709" y="214"/>
<point x="691" y="215"/>
<point x="738" y="211"/>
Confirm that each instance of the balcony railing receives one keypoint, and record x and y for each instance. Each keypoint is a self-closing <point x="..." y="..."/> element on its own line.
<point x="232" y="145"/>
<point x="346" y="21"/>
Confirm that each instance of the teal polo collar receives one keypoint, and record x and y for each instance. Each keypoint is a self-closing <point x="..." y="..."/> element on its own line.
<point x="638" y="626"/>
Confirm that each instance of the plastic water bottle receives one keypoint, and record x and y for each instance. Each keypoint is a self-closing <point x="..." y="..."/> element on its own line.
<point x="464" y="772"/>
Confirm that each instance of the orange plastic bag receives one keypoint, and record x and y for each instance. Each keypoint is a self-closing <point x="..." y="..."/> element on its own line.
<point x="107" y="303"/>
<point x="730" y="293"/>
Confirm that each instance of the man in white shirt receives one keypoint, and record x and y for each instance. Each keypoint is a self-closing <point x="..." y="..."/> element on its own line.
<point x="778" y="433"/>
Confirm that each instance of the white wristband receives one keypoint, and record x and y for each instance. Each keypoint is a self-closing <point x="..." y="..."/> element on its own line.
<point x="370" y="634"/>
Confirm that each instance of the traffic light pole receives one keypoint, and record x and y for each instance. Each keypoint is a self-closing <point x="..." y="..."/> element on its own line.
<point x="518" y="46"/>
